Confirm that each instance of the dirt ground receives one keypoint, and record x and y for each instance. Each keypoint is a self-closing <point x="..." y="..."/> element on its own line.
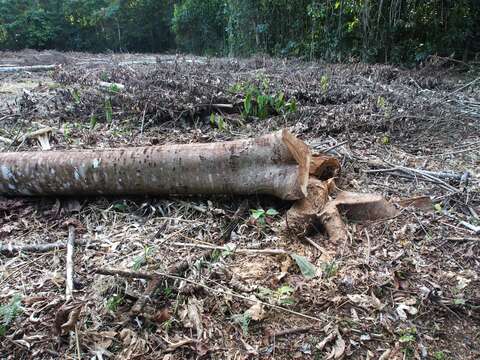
<point x="402" y="288"/>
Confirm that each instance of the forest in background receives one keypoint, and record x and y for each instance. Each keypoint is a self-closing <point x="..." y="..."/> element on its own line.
<point x="391" y="31"/>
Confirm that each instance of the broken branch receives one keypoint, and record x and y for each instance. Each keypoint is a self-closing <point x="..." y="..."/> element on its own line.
<point x="11" y="249"/>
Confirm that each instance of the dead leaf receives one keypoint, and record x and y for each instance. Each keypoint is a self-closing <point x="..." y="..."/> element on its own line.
<point x="162" y="315"/>
<point x="403" y="309"/>
<point x="256" y="311"/>
<point x="194" y="313"/>
<point x="366" y="301"/>
<point x="321" y="345"/>
<point x="66" y="318"/>
<point x="338" y="348"/>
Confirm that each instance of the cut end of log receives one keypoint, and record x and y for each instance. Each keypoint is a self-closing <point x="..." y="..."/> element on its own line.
<point x="302" y="155"/>
<point x="324" y="167"/>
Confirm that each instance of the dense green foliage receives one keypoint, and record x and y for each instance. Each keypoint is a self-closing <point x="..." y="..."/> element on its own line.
<point x="335" y="30"/>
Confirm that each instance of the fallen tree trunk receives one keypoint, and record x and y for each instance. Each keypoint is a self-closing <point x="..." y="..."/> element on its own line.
<point x="276" y="164"/>
<point x="33" y="68"/>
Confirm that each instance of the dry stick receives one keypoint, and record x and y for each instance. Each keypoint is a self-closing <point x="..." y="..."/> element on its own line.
<point x="427" y="175"/>
<point x="462" y="239"/>
<point x="216" y="291"/>
<point x="235" y="221"/>
<point x="156" y="281"/>
<point x="11" y="249"/>
<point x="70" y="250"/>
<point x="238" y="251"/>
<point x="314" y="244"/>
<point x="69" y="282"/>
<point x="292" y="331"/>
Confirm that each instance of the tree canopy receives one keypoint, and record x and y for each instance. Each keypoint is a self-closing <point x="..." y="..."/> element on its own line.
<point x="398" y="31"/>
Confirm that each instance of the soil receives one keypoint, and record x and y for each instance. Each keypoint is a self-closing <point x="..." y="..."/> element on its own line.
<point x="402" y="288"/>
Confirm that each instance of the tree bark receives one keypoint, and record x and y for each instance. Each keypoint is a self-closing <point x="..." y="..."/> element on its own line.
<point x="275" y="164"/>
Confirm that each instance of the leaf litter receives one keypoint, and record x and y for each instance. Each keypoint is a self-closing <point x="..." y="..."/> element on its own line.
<point x="400" y="287"/>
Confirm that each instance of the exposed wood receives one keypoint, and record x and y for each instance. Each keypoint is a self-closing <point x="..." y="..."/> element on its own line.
<point x="69" y="262"/>
<point x="304" y="213"/>
<point x="275" y="164"/>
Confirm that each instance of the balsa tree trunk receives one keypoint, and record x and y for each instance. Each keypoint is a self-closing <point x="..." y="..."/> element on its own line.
<point x="275" y="164"/>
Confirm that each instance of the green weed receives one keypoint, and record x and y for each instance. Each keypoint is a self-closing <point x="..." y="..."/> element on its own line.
<point x="9" y="312"/>
<point x="114" y="302"/>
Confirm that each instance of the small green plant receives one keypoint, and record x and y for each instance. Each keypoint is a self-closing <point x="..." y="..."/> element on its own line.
<point x="383" y="105"/>
<point x="259" y="101"/>
<point x="261" y="216"/>
<point x="167" y="325"/>
<point x="330" y="269"/>
<point x="167" y="292"/>
<point x="104" y="76"/>
<point x="281" y="296"/>
<point x="142" y="260"/>
<point x="108" y="110"/>
<point x="9" y="312"/>
<point x="93" y="122"/>
<point x="243" y="320"/>
<point x="76" y="96"/>
<point x="308" y="270"/>
<point x="67" y="132"/>
<point x="114" y="302"/>
<point x="439" y="355"/>
<point x="385" y="140"/>
<point x="217" y="121"/>
<point x="114" y="89"/>
<point x="408" y="337"/>
<point x="324" y="82"/>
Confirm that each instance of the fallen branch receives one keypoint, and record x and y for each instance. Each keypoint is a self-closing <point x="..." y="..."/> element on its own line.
<point x="235" y="251"/>
<point x="11" y="249"/>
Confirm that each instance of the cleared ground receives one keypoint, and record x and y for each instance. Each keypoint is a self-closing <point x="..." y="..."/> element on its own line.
<point x="405" y="288"/>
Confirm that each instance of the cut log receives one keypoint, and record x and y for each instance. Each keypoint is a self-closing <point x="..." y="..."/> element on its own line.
<point x="275" y="164"/>
<point x="33" y="68"/>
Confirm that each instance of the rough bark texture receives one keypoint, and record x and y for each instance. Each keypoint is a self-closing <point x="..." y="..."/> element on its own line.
<point x="275" y="164"/>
